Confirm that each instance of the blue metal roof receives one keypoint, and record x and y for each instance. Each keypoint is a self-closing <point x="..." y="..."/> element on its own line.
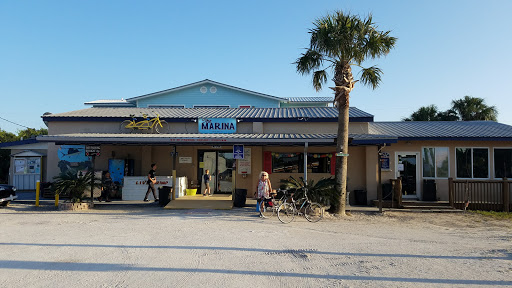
<point x="443" y="130"/>
<point x="318" y="114"/>
<point x="19" y="142"/>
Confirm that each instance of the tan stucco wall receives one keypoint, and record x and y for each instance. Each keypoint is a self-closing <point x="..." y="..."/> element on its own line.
<point x="416" y="146"/>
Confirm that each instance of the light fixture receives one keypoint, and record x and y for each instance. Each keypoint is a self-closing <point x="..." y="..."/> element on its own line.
<point x="194" y="120"/>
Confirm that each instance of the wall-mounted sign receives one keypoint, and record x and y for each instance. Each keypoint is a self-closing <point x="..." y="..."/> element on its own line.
<point x="238" y="151"/>
<point x="384" y="161"/>
<point x="244" y="165"/>
<point x="217" y="125"/>
<point x="92" y="150"/>
<point x="185" y="159"/>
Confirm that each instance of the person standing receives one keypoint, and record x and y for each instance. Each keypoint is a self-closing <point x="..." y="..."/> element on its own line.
<point x="264" y="186"/>
<point x="207" y="178"/>
<point x="106" y="186"/>
<point x="151" y="183"/>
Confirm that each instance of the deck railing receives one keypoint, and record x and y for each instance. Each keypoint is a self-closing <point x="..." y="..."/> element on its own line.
<point x="489" y="195"/>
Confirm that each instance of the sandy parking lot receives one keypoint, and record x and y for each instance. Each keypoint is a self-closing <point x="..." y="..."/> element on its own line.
<point x="151" y="247"/>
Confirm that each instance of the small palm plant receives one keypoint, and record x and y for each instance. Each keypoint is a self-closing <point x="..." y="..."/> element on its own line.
<point x="323" y="191"/>
<point x="74" y="185"/>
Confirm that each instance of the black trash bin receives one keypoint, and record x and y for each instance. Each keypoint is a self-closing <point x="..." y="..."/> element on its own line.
<point x="361" y="197"/>
<point x="240" y="197"/>
<point x="164" y="193"/>
<point x="429" y="190"/>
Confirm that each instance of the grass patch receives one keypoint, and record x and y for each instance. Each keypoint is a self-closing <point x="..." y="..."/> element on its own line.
<point x="495" y="215"/>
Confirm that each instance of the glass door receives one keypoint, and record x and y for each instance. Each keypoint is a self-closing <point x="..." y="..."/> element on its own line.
<point x="407" y="168"/>
<point x="220" y="164"/>
<point x="225" y="172"/>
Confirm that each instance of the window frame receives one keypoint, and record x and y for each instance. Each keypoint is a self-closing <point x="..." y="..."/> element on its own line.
<point x="494" y="162"/>
<point x="165" y="106"/>
<point x="472" y="168"/>
<point x="212" y="106"/>
<point x="435" y="164"/>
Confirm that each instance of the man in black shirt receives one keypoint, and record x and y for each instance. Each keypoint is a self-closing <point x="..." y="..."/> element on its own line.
<point x="151" y="183"/>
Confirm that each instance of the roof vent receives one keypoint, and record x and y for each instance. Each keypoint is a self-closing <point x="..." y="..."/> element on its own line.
<point x="213" y="89"/>
<point x="203" y="89"/>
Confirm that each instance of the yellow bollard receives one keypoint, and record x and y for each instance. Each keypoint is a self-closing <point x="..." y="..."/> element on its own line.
<point x="56" y="200"/>
<point x="38" y="189"/>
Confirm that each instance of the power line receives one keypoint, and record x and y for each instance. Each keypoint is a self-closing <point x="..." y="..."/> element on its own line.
<point x="15" y="123"/>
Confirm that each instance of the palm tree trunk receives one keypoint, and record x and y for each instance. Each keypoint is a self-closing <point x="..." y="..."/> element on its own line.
<point x="342" y="147"/>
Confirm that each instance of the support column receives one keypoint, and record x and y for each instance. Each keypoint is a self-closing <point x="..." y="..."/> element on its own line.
<point x="306" y="163"/>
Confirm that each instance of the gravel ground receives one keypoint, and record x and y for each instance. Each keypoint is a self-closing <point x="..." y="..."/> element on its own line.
<point x="151" y="247"/>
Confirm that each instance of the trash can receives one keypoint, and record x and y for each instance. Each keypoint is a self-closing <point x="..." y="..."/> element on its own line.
<point x="429" y="190"/>
<point x="240" y="197"/>
<point x="361" y="197"/>
<point x="164" y="194"/>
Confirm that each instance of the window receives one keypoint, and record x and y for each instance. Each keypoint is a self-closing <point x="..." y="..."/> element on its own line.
<point x="287" y="162"/>
<point x="165" y="106"/>
<point x="294" y="162"/>
<point x="319" y="162"/>
<point x="472" y="162"/>
<point x="435" y="162"/>
<point x="503" y="162"/>
<point x="211" y="106"/>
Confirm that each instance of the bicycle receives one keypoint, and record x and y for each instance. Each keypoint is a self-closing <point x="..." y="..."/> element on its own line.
<point x="155" y="124"/>
<point x="268" y="207"/>
<point x="312" y="211"/>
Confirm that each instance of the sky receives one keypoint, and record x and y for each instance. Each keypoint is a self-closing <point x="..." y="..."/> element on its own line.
<point x="57" y="55"/>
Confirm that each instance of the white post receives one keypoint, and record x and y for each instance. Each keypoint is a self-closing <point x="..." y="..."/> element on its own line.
<point x="306" y="163"/>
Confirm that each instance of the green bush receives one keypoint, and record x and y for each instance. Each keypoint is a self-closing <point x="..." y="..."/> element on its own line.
<point x="73" y="185"/>
<point x="322" y="192"/>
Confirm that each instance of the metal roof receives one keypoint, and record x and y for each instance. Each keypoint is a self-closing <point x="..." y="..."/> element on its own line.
<point x="323" y="114"/>
<point x="205" y="81"/>
<point x="198" y="139"/>
<point x="311" y="99"/>
<point x="443" y="130"/>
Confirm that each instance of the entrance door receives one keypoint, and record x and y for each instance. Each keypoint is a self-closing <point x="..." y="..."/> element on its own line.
<point x="220" y="164"/>
<point x="407" y="167"/>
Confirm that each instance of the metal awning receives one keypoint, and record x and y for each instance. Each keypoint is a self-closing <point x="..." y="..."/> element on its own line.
<point x="211" y="139"/>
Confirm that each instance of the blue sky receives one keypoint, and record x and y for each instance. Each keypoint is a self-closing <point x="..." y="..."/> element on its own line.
<point x="56" y="55"/>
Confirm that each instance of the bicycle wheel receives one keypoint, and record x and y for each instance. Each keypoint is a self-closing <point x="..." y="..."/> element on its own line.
<point x="286" y="213"/>
<point x="265" y="212"/>
<point x="314" y="212"/>
<point x="123" y="128"/>
<point x="161" y="129"/>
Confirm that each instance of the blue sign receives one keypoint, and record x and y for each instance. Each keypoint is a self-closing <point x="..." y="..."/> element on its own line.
<point x="238" y="151"/>
<point x="217" y="125"/>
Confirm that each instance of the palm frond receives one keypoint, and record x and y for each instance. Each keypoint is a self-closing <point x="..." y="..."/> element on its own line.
<point x="319" y="79"/>
<point x="309" y="61"/>
<point x="371" y="76"/>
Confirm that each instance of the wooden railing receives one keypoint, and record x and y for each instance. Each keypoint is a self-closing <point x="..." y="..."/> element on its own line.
<point x="489" y="195"/>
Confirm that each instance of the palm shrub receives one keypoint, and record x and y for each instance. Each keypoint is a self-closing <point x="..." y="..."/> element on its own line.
<point x="74" y="185"/>
<point x="323" y="191"/>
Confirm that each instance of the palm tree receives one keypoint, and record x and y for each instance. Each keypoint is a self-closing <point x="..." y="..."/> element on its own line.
<point x="341" y="41"/>
<point x="75" y="186"/>
<point x="431" y="113"/>
<point x="474" y="108"/>
<point x="426" y="113"/>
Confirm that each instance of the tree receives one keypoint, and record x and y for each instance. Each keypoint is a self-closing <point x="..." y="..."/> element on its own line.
<point x="341" y="41"/>
<point x="426" y="113"/>
<point x="474" y="108"/>
<point x="431" y="113"/>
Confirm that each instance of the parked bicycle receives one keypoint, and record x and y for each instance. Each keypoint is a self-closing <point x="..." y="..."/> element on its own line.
<point x="312" y="211"/>
<point x="154" y="125"/>
<point x="268" y="207"/>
